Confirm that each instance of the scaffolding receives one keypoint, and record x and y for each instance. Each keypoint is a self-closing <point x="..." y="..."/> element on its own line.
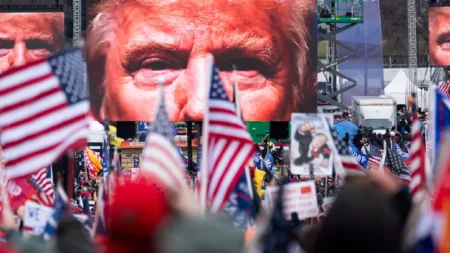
<point x="347" y="13"/>
<point x="412" y="47"/>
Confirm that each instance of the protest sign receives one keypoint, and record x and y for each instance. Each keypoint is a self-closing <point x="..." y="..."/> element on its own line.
<point x="36" y="217"/>
<point x="298" y="197"/>
<point x="310" y="145"/>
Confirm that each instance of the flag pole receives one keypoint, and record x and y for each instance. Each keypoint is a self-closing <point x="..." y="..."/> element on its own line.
<point x="236" y="93"/>
<point x="100" y="193"/>
<point x="70" y="174"/>
<point x="383" y="159"/>
<point x="204" y="166"/>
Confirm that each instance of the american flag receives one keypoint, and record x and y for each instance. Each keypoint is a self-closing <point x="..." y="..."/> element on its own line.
<point x="374" y="151"/>
<point x="349" y="163"/>
<point x="374" y="162"/>
<point x="229" y="149"/>
<point x="43" y="183"/>
<point x="418" y="158"/>
<point x="160" y="157"/>
<point x="445" y="88"/>
<point x="396" y="165"/>
<point x="43" y="112"/>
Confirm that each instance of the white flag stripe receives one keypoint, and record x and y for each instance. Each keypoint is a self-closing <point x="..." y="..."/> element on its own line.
<point x="42" y="160"/>
<point x="25" y="75"/>
<point x="415" y="146"/>
<point x="44" y="122"/>
<point x="227" y="131"/>
<point x="415" y="181"/>
<point x="31" y="145"/>
<point x="156" y="154"/>
<point x="229" y="176"/>
<point x="415" y="164"/>
<point x="36" y="107"/>
<point x="222" y="166"/>
<point x="218" y="104"/>
<point x="163" y="175"/>
<point x="29" y="92"/>
<point x="217" y="149"/>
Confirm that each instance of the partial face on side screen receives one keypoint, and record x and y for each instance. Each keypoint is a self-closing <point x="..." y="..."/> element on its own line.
<point x="26" y="37"/>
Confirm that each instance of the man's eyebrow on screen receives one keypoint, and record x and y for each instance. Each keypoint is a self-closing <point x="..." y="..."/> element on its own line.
<point x="260" y="47"/>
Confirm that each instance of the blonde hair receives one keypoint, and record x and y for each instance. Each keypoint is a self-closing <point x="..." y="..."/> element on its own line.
<point x="295" y="19"/>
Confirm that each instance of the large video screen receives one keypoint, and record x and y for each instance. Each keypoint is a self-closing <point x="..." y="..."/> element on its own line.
<point x="28" y="36"/>
<point x="133" y="44"/>
<point x="439" y="35"/>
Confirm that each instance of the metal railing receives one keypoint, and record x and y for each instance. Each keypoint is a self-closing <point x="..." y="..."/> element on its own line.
<point x="396" y="61"/>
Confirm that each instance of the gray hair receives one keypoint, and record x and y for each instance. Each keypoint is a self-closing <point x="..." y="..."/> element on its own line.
<point x="296" y="28"/>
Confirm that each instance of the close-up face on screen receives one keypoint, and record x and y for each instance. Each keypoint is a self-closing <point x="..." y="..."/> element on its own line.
<point x="133" y="44"/>
<point x="439" y="35"/>
<point x="28" y="36"/>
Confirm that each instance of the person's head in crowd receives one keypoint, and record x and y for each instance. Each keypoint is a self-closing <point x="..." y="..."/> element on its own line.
<point x="133" y="222"/>
<point x="71" y="235"/>
<point x="361" y="220"/>
<point x="26" y="37"/>
<point x="379" y="136"/>
<point x="131" y="44"/>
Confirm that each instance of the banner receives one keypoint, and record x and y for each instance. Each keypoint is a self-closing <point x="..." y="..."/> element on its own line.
<point x="359" y="156"/>
<point x="36" y="216"/>
<point x="298" y="197"/>
<point x="19" y="192"/>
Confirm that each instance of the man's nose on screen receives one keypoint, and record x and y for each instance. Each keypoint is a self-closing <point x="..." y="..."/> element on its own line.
<point x="195" y="85"/>
<point x="18" y="55"/>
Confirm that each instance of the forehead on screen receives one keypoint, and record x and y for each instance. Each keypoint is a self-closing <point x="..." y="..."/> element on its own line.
<point x="436" y="14"/>
<point x="265" y="4"/>
<point x="56" y="16"/>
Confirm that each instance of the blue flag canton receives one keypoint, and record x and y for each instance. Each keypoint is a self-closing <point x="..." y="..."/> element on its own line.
<point x="341" y="145"/>
<point x="375" y="151"/>
<point x="68" y="67"/>
<point x="217" y="90"/>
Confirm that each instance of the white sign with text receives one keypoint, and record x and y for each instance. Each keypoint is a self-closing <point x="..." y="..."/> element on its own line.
<point x="298" y="197"/>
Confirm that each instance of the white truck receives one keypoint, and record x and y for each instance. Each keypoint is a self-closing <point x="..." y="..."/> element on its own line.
<point x="379" y="113"/>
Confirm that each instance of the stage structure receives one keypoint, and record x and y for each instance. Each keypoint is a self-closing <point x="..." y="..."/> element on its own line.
<point x="334" y="17"/>
<point x="77" y="42"/>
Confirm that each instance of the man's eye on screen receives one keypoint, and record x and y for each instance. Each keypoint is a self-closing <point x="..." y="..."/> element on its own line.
<point x="39" y="48"/>
<point x="6" y="46"/>
<point x="247" y="67"/>
<point x="159" y="65"/>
